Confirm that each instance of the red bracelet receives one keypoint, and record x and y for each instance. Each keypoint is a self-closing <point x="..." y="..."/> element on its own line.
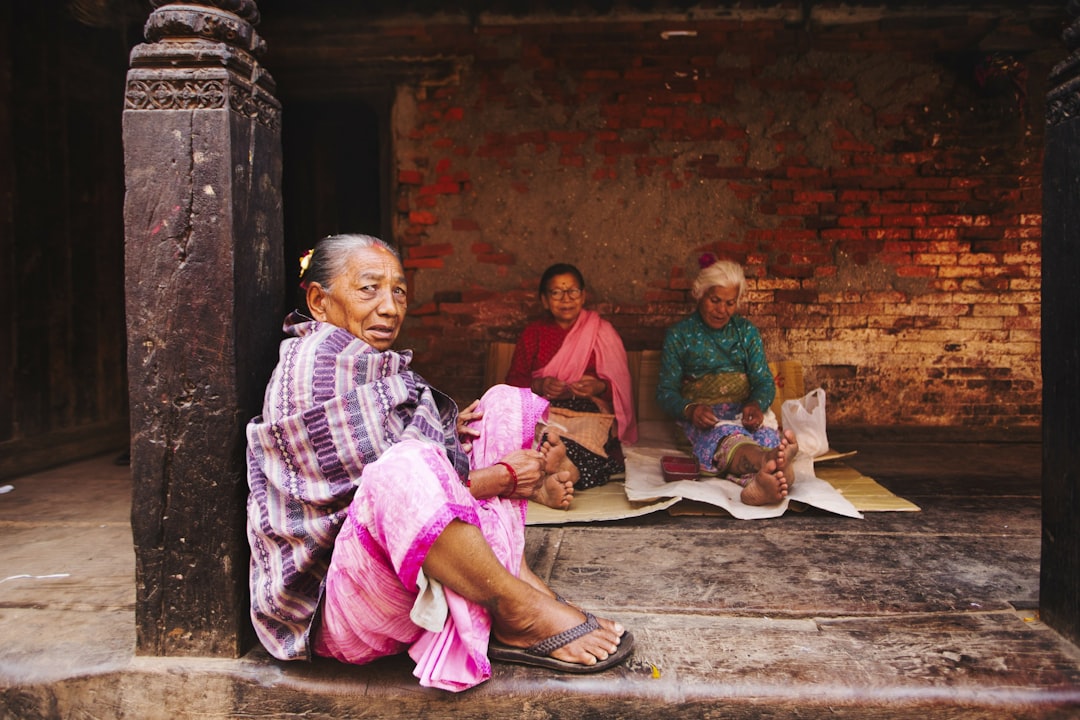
<point x="513" y="479"/>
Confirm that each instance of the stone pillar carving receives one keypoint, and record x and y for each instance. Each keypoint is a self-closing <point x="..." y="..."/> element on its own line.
<point x="1059" y="593"/>
<point x="205" y="289"/>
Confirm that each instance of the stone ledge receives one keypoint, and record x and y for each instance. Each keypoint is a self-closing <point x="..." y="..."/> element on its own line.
<point x="257" y="686"/>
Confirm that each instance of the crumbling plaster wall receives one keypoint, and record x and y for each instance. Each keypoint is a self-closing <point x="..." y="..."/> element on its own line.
<point x="879" y="179"/>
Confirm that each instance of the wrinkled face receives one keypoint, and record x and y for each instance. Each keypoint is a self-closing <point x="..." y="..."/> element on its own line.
<point x="563" y="298"/>
<point x="717" y="305"/>
<point x="368" y="299"/>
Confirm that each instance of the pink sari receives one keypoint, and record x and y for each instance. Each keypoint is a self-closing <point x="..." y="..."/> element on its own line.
<point x="404" y="501"/>
<point x="592" y="334"/>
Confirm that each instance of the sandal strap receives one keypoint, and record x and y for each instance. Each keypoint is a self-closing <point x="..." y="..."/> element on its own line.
<point x="549" y="645"/>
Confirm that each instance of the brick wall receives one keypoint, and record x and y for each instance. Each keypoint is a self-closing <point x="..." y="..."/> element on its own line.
<point x="879" y="178"/>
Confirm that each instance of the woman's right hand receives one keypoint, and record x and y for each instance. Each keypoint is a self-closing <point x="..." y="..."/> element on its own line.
<point x="550" y="388"/>
<point x="529" y="467"/>
<point x="702" y="416"/>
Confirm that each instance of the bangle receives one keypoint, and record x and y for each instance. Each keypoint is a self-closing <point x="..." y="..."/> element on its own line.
<point x="513" y="479"/>
<point x="687" y="407"/>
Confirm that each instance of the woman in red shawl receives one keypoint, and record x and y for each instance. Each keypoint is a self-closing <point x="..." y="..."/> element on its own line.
<point x="576" y="360"/>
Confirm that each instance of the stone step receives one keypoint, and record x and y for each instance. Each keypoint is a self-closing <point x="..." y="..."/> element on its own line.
<point x="963" y="665"/>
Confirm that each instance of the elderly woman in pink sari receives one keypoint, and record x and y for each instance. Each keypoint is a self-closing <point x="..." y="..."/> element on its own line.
<point x="380" y="519"/>
<point x="575" y="359"/>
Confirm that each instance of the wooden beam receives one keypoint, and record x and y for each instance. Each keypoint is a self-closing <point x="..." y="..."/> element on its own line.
<point x="1060" y="575"/>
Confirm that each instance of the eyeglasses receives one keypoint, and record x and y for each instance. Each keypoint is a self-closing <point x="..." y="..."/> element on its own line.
<point x="557" y="294"/>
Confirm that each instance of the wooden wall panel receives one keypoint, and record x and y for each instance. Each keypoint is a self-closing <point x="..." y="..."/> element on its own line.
<point x="63" y="384"/>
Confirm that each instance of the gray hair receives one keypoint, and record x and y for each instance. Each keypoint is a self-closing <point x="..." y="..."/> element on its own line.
<point x="723" y="273"/>
<point x="331" y="254"/>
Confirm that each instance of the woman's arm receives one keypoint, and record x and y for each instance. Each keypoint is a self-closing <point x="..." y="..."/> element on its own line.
<point x="518" y="475"/>
<point x="669" y="387"/>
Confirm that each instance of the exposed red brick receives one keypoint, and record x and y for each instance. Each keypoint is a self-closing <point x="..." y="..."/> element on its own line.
<point x="875" y="241"/>
<point x="562" y="137"/>
<point x="442" y="188"/>
<point x="428" y="251"/>
<point x="422" y="218"/>
<point x="496" y="258"/>
<point x="465" y="225"/>
<point x="423" y="309"/>
<point x="936" y="233"/>
<point x="653" y="296"/>
<point x="416" y="264"/>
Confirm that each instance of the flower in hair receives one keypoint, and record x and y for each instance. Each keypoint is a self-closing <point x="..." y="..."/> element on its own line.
<point x="305" y="261"/>
<point x="706" y="260"/>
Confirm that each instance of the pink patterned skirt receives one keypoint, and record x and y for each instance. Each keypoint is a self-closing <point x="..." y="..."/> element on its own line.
<point x="404" y="501"/>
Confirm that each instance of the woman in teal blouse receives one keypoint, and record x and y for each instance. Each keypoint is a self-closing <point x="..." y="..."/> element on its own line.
<point x="715" y="380"/>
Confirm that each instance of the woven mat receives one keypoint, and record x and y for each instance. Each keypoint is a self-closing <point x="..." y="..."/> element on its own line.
<point x="607" y="502"/>
<point x="829" y="485"/>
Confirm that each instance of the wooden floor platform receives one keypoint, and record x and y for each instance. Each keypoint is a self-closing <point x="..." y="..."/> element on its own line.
<point x="930" y="614"/>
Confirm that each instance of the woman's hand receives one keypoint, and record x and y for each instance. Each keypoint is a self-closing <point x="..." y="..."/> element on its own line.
<point x="551" y="388"/>
<point x="465" y="433"/>
<point x="752" y="417"/>
<point x="529" y="467"/>
<point x="702" y="416"/>
<point x="497" y="480"/>
<point x="587" y="387"/>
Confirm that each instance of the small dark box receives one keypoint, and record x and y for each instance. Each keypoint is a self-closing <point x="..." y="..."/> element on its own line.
<point x="676" y="467"/>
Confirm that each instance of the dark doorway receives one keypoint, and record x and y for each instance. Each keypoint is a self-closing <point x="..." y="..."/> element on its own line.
<point x="334" y="172"/>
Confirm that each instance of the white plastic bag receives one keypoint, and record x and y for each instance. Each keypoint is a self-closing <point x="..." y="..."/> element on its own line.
<point x="806" y="418"/>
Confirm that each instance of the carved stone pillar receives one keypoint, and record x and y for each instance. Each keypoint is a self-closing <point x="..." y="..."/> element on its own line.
<point x="1059" y="592"/>
<point x="204" y="283"/>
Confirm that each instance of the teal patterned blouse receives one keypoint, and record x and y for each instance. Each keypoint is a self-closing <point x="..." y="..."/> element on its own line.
<point x="692" y="350"/>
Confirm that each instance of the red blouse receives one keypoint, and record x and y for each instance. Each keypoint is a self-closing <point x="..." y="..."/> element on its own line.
<point x="537" y="345"/>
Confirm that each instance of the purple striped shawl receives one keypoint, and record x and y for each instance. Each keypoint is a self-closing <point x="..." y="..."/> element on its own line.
<point x="333" y="405"/>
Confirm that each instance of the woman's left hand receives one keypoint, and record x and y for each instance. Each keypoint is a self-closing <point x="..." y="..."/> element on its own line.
<point x="465" y="433"/>
<point x="588" y="386"/>
<point x="752" y="417"/>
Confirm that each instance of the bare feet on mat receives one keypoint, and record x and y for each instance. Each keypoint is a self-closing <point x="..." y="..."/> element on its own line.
<point x="785" y="456"/>
<point x="768" y="486"/>
<point x="556" y="491"/>
<point x="558" y="488"/>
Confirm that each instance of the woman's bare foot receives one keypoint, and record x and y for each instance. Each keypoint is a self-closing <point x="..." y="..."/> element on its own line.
<point x="768" y="486"/>
<point x="558" y="488"/>
<point x="785" y="456"/>
<point x="522" y="624"/>
<point x="554" y="451"/>
<point x="556" y="491"/>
